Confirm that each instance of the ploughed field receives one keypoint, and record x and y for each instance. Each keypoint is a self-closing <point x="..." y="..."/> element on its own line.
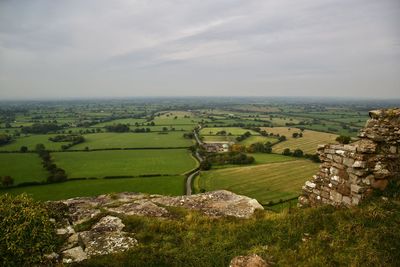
<point x="308" y="142"/>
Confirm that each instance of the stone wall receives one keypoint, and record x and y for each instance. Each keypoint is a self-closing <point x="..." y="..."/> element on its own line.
<point x="350" y="173"/>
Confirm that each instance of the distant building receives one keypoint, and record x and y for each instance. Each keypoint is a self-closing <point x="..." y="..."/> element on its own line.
<point x="217" y="146"/>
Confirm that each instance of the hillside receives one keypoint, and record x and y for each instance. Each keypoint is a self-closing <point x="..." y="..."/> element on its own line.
<point x="196" y="231"/>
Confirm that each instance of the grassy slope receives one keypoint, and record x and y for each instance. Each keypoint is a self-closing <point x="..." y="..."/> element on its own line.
<point x="124" y="162"/>
<point x="308" y="143"/>
<point x="165" y="185"/>
<point x="365" y="236"/>
<point x="22" y="167"/>
<point x="266" y="182"/>
<point x="132" y="140"/>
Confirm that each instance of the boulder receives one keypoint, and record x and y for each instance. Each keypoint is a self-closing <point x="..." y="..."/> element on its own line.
<point x="106" y="237"/>
<point x="75" y="254"/>
<point x="248" y="261"/>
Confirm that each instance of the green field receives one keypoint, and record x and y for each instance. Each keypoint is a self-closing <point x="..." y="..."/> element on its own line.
<point x="133" y="140"/>
<point x="124" y="162"/>
<point x="165" y="185"/>
<point x="266" y="182"/>
<point x="308" y="143"/>
<point x="22" y="167"/>
<point x="31" y="141"/>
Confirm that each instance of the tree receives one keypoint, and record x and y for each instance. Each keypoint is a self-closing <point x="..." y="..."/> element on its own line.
<point x="287" y="152"/>
<point x="23" y="149"/>
<point x="39" y="148"/>
<point x="282" y="138"/>
<point x="295" y="135"/>
<point x="343" y="139"/>
<point x="4" y="139"/>
<point x="298" y="153"/>
<point x="7" y="181"/>
<point x="205" y="165"/>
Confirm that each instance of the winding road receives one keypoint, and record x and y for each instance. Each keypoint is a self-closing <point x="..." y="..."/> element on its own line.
<point x="189" y="180"/>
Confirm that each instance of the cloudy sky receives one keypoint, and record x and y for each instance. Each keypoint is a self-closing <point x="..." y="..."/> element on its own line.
<point x="102" y="48"/>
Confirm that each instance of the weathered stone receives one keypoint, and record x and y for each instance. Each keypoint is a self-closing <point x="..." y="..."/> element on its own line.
<point x="141" y="207"/>
<point x="348" y="162"/>
<point x="310" y="184"/>
<point x="346" y="200"/>
<point x="359" y="164"/>
<point x="336" y="196"/>
<point x="217" y="203"/>
<point x="75" y="254"/>
<point x="357" y="189"/>
<point x="106" y="237"/>
<point x="71" y="242"/>
<point x="248" y="261"/>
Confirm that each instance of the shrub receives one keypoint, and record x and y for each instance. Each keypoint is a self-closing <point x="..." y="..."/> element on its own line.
<point x="6" y="181"/>
<point x="343" y="139"/>
<point x="26" y="233"/>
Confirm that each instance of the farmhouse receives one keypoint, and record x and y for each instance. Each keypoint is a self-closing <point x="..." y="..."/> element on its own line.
<point x="217" y="146"/>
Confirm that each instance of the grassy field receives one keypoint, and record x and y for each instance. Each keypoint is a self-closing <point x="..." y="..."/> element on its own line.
<point x="124" y="162"/>
<point x="133" y="140"/>
<point x="31" y="141"/>
<point x="166" y="185"/>
<point x="308" y="143"/>
<point x="266" y="182"/>
<point x="22" y="167"/>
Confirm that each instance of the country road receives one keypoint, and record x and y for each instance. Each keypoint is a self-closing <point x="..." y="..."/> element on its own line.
<point x="189" y="180"/>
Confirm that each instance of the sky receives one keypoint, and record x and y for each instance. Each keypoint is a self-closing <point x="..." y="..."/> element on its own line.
<point x="120" y="48"/>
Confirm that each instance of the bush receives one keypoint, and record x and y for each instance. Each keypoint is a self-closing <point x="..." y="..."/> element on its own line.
<point x="26" y="233"/>
<point x="6" y="181"/>
<point x="343" y="139"/>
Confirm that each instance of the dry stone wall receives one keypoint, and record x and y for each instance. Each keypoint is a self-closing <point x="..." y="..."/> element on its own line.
<point x="350" y="173"/>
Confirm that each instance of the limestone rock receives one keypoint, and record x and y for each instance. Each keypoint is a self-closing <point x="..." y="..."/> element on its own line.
<point x="75" y="254"/>
<point x="248" y="261"/>
<point x="217" y="203"/>
<point x="106" y="237"/>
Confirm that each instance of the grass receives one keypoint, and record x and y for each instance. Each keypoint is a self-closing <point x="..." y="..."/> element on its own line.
<point x="266" y="182"/>
<point x="165" y="185"/>
<point x="31" y="141"/>
<point x="308" y="143"/>
<point x="22" y="167"/>
<point x="262" y="158"/>
<point x="124" y="162"/>
<point x="133" y="140"/>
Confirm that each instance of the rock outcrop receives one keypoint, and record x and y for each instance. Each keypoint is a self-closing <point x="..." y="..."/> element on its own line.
<point x="91" y="225"/>
<point x="349" y="173"/>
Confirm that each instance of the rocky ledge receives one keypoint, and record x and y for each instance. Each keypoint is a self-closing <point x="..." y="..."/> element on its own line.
<point x="105" y="234"/>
